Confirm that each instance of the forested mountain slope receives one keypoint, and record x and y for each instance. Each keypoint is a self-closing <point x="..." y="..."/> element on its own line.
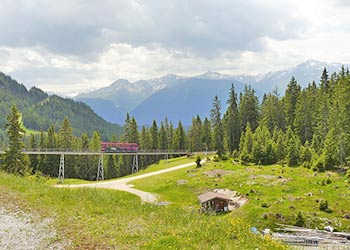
<point x="40" y="110"/>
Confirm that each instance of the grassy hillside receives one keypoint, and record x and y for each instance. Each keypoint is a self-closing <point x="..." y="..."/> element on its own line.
<point x="276" y="194"/>
<point x="105" y="219"/>
<point x="40" y="110"/>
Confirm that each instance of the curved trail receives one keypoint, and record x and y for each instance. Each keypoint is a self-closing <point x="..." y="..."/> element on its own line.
<point x="122" y="184"/>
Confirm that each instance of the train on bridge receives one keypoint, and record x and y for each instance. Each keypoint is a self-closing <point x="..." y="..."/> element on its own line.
<point x="119" y="147"/>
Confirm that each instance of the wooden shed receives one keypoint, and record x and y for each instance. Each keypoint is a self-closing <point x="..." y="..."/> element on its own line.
<point x="216" y="202"/>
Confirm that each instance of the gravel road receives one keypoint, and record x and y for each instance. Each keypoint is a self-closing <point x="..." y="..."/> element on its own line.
<point x="122" y="184"/>
<point x="23" y="231"/>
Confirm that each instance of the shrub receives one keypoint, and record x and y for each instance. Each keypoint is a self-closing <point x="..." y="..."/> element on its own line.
<point x="319" y="165"/>
<point x="300" y="220"/>
<point x="198" y="161"/>
<point x="324" y="206"/>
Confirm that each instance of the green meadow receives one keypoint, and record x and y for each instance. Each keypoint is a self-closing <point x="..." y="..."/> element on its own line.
<point x="108" y="219"/>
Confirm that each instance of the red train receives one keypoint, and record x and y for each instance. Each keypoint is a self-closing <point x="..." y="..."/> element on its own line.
<point x="119" y="147"/>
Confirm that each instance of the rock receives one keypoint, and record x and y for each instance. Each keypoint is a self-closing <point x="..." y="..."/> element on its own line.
<point x="346" y="216"/>
<point x="182" y="182"/>
<point x="279" y="216"/>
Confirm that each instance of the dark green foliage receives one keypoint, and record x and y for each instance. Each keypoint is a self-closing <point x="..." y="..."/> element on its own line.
<point x="324" y="206"/>
<point x="249" y="108"/>
<point x="40" y="111"/>
<point x="14" y="161"/>
<point x="198" y="161"/>
<point x="290" y="101"/>
<point x="216" y="123"/>
<point x="232" y="122"/>
<point x="300" y="220"/>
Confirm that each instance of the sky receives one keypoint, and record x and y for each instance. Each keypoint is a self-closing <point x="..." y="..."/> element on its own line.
<point x="73" y="46"/>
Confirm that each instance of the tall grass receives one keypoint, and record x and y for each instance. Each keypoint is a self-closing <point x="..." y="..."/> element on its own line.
<point x="106" y="219"/>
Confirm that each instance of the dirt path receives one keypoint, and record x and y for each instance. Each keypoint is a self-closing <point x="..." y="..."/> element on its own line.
<point x="24" y="231"/>
<point x="122" y="184"/>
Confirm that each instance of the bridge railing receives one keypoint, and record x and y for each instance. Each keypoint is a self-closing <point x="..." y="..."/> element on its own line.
<point x="88" y="151"/>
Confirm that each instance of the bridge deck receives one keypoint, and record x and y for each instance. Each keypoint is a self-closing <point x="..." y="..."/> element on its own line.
<point x="140" y="152"/>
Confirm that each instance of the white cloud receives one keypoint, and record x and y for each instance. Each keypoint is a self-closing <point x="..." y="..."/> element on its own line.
<point x="72" y="45"/>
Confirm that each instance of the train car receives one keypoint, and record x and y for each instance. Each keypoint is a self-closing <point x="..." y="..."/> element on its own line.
<point x="119" y="147"/>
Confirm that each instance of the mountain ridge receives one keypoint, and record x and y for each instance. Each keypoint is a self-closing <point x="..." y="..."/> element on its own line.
<point x="304" y="73"/>
<point x="40" y="110"/>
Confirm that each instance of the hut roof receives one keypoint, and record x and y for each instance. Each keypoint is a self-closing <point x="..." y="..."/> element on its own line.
<point x="212" y="195"/>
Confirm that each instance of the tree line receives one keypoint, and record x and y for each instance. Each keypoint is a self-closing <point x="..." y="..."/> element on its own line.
<point x="306" y="126"/>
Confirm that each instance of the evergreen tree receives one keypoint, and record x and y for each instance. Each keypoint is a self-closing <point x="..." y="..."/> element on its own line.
<point x="272" y="114"/>
<point x="126" y="136"/>
<point x="232" y="122"/>
<point x="293" y="148"/>
<point x="249" y="108"/>
<point x="112" y="171"/>
<point x="290" y="101"/>
<point x="133" y="131"/>
<point x="206" y="137"/>
<point x="145" y="143"/>
<point x="180" y="137"/>
<point x="262" y="147"/>
<point x="49" y="165"/>
<point x="218" y="135"/>
<point x="154" y="143"/>
<point x="246" y="145"/>
<point x="330" y="150"/>
<point x="14" y="161"/>
<point x="306" y="109"/>
<point x="163" y="137"/>
<point x="66" y="142"/>
<point x="66" y="135"/>
<point x="195" y="134"/>
<point x="87" y="165"/>
<point x="33" y="158"/>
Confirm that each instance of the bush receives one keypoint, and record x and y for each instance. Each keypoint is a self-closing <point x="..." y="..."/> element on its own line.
<point x="224" y="157"/>
<point x="300" y="220"/>
<point x="324" y="206"/>
<point x="319" y="165"/>
<point x="198" y="161"/>
<point x="347" y="175"/>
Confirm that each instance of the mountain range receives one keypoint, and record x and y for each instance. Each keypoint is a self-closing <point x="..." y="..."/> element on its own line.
<point x="181" y="98"/>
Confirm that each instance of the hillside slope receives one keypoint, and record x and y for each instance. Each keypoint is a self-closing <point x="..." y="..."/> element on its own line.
<point x="184" y="101"/>
<point x="39" y="110"/>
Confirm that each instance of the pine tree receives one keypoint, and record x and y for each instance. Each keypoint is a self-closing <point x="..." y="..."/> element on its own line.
<point x="218" y="135"/>
<point x="179" y="137"/>
<point x="126" y="136"/>
<point x="246" y="145"/>
<point x="262" y="148"/>
<point x="66" y="142"/>
<point x="133" y="131"/>
<point x="272" y="114"/>
<point x="14" y="160"/>
<point x="194" y="135"/>
<point x="163" y="138"/>
<point x="232" y="122"/>
<point x="290" y="101"/>
<point x="249" y="108"/>
<point x="154" y="135"/>
<point x="206" y="137"/>
<point x="66" y="135"/>
<point x="87" y="165"/>
<point x="33" y="158"/>
<point x="112" y="171"/>
<point x="293" y="148"/>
